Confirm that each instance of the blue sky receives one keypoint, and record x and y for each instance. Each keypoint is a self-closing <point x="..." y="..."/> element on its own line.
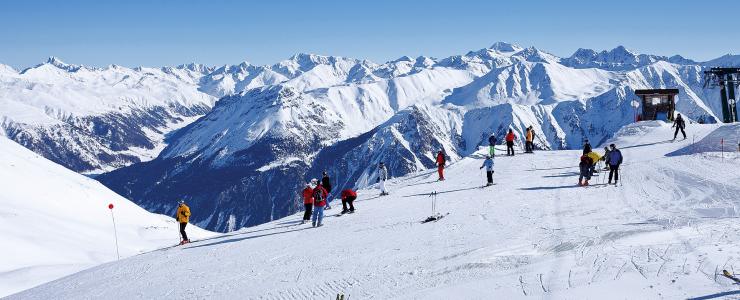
<point x="157" y="33"/>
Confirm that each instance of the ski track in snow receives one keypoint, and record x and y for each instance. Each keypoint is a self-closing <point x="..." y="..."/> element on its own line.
<point x="665" y="233"/>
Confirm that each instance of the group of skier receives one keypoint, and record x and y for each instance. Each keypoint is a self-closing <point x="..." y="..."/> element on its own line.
<point x="612" y="159"/>
<point x="316" y="199"/>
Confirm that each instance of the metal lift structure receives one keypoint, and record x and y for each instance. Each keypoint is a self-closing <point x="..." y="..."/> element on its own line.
<point x="728" y="80"/>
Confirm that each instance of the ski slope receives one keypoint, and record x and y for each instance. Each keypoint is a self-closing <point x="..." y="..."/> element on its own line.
<point x="55" y="222"/>
<point x="663" y="234"/>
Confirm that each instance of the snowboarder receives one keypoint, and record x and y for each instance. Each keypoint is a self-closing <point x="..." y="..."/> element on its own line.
<point x="326" y="184"/>
<point x="319" y="201"/>
<point x="585" y="170"/>
<point x="441" y="165"/>
<point x="488" y="163"/>
<point x="529" y="143"/>
<point x="586" y="147"/>
<point x="615" y="159"/>
<point x="348" y="197"/>
<point x="510" y="137"/>
<point x="183" y="217"/>
<point x="680" y="124"/>
<point x="492" y="145"/>
<point x="307" y="203"/>
<point x="382" y="177"/>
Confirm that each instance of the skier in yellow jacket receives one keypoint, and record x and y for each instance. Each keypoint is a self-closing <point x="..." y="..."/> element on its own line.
<point x="183" y="216"/>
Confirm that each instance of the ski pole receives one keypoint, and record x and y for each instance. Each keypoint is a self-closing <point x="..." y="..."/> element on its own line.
<point x="115" y="231"/>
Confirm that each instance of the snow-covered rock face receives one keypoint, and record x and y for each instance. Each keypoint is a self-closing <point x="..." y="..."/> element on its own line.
<point x="96" y="119"/>
<point x="288" y="122"/>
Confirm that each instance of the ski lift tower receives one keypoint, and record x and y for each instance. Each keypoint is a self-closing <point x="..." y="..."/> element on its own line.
<point x="728" y="80"/>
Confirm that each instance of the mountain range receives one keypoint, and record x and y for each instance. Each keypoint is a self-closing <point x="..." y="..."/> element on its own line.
<point x="274" y="127"/>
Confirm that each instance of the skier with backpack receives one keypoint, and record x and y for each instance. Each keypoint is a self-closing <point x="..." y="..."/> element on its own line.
<point x="326" y="184"/>
<point x="488" y="163"/>
<point x="382" y="177"/>
<point x="680" y="124"/>
<point x="585" y="169"/>
<point x="441" y="165"/>
<point x="348" y="197"/>
<point x="529" y="143"/>
<point x="307" y="203"/>
<point x="319" y="201"/>
<point x="615" y="159"/>
<point x="492" y="145"/>
<point x="183" y="217"/>
<point x="510" y="137"/>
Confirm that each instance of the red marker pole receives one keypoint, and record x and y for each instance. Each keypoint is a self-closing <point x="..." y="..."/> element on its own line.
<point x="115" y="232"/>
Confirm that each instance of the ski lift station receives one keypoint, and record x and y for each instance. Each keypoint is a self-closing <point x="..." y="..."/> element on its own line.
<point x="657" y="104"/>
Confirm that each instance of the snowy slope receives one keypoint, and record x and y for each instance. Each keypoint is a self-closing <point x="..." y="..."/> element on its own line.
<point x="312" y="113"/>
<point x="662" y="235"/>
<point x="55" y="222"/>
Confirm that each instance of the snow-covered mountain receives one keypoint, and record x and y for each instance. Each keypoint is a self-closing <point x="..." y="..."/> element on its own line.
<point x="55" y="222"/>
<point x="96" y="119"/>
<point x="664" y="233"/>
<point x="288" y="122"/>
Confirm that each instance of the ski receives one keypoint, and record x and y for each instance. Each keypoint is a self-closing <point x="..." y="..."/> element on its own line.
<point x="730" y="276"/>
<point x="487" y="185"/>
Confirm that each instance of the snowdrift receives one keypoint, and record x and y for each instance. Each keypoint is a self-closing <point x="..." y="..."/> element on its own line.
<point x="664" y="232"/>
<point x="55" y="222"/>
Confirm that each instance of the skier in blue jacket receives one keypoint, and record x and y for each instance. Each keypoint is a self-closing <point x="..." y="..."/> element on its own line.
<point x="488" y="163"/>
<point x="615" y="159"/>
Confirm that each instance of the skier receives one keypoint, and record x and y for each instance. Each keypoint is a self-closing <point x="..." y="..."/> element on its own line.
<point x="348" y="197"/>
<point x="382" y="177"/>
<point x="529" y="144"/>
<point x="586" y="147"/>
<point x="326" y="184"/>
<point x="307" y="203"/>
<point x="595" y="157"/>
<point x="319" y="201"/>
<point x="585" y="170"/>
<point x="605" y="158"/>
<point x="492" y="145"/>
<point x="680" y="124"/>
<point x="441" y="165"/>
<point x="183" y="216"/>
<point x="615" y="159"/>
<point x="488" y="163"/>
<point x="510" y="137"/>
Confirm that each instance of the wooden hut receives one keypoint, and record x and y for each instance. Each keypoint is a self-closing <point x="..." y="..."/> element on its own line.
<point x="657" y="104"/>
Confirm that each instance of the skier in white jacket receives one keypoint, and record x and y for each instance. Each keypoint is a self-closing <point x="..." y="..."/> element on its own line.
<point x="382" y="177"/>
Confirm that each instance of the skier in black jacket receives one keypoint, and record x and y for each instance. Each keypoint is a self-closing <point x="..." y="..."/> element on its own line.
<point x="680" y="124"/>
<point x="326" y="184"/>
<point x="586" y="147"/>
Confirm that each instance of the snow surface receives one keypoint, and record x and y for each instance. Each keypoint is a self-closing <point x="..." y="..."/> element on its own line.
<point x="55" y="222"/>
<point x="663" y="234"/>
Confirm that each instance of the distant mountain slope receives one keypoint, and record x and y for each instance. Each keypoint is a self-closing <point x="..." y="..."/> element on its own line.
<point x="55" y="222"/>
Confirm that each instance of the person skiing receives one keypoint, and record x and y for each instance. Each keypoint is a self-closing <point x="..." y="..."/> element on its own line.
<point x="585" y="170"/>
<point x="348" y="197"/>
<point x="595" y="158"/>
<point x="605" y="158"/>
<point x="441" y="165"/>
<point x="326" y="184"/>
<point x="492" y="145"/>
<point x="615" y="159"/>
<point x="319" y="201"/>
<point x="488" y="163"/>
<point x="510" y="137"/>
<point x="680" y="124"/>
<point x="382" y="177"/>
<point x="586" y="147"/>
<point x="183" y="217"/>
<point x="307" y="203"/>
<point x="529" y="143"/>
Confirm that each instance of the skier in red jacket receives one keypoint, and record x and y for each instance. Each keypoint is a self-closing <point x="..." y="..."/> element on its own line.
<point x="348" y="197"/>
<point x="510" y="137"/>
<point x="307" y="202"/>
<point x="441" y="165"/>
<point x="319" y="202"/>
